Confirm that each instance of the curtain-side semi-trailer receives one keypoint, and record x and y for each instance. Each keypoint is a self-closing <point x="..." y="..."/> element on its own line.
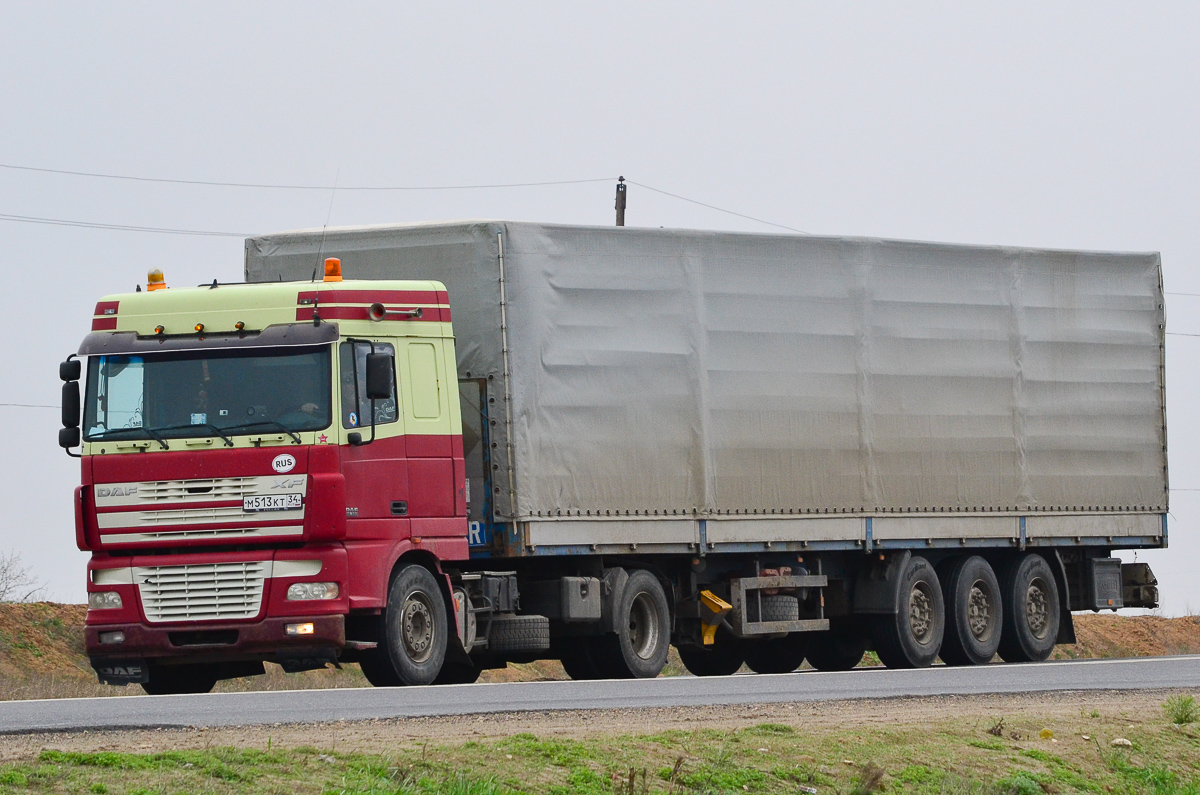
<point x="762" y="449"/>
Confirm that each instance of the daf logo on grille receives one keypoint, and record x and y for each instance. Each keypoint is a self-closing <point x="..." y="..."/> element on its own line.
<point x="284" y="463"/>
<point x="116" y="491"/>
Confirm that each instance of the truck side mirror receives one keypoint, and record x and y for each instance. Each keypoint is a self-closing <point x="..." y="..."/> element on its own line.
<point x="70" y="405"/>
<point x="379" y="376"/>
<point x="68" y="438"/>
<point x="69" y="370"/>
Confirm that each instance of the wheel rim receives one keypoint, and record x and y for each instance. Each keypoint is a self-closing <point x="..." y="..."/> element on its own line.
<point x="1037" y="609"/>
<point x="416" y="627"/>
<point x="981" y="617"/>
<point x="920" y="613"/>
<point x="643" y="626"/>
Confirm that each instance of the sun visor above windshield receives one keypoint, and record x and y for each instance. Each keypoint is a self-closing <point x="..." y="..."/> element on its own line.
<point x="282" y="335"/>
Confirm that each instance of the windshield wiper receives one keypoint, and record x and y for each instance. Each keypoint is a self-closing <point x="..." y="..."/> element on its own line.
<point x="106" y="434"/>
<point x="216" y="431"/>
<point x="258" y="423"/>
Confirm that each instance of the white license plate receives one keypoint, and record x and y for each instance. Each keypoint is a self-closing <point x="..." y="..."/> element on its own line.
<point x="271" y="502"/>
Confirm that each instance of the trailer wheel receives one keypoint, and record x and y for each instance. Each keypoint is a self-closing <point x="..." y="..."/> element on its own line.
<point x="776" y="655"/>
<point x="974" y="613"/>
<point x="835" y="650"/>
<point x="1031" y="610"/>
<point x="912" y="637"/>
<point x="168" y="680"/>
<point x="415" y="628"/>
<point x="638" y="649"/>
<point x="722" y="658"/>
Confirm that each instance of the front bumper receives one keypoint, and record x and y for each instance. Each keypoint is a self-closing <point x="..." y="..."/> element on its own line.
<point x="217" y="642"/>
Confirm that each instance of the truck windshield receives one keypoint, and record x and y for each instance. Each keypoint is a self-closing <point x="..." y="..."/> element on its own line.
<point x="208" y="393"/>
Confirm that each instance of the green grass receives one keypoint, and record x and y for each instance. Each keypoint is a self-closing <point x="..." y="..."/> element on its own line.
<point x="1181" y="709"/>
<point x="948" y="757"/>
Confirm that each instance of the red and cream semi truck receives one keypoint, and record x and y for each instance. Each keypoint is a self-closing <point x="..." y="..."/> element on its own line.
<point x="762" y="449"/>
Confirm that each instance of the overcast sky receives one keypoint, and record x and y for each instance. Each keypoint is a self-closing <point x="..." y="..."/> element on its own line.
<point x="1063" y="125"/>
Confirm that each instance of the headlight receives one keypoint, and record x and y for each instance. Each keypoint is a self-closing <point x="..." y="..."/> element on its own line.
<point x="104" y="600"/>
<point x="304" y="591"/>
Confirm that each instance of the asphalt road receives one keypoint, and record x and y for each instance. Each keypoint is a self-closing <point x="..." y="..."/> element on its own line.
<point x="314" y="706"/>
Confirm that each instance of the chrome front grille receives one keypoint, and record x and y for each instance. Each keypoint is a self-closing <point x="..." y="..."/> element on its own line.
<point x="204" y="490"/>
<point x="202" y="592"/>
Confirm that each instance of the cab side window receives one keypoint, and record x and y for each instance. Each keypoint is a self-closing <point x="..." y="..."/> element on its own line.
<point x="353" y="375"/>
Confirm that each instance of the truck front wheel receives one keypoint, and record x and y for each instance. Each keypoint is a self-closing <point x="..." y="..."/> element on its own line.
<point x="414" y="634"/>
<point x="912" y="637"/>
<point x="1031" y="610"/>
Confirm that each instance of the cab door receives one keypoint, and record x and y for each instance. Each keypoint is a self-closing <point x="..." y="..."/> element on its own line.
<point x="376" y="472"/>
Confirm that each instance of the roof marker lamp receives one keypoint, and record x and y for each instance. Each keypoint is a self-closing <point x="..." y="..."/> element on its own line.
<point x="160" y="329"/>
<point x="199" y="327"/>
<point x="333" y="269"/>
<point x="155" y="281"/>
<point x="239" y="325"/>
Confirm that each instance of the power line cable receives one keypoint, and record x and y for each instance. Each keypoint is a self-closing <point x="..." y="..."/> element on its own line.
<point x="718" y="209"/>
<point x="29" y="219"/>
<point x="271" y="186"/>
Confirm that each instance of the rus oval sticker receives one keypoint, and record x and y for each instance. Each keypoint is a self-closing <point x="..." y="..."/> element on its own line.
<point x="284" y="463"/>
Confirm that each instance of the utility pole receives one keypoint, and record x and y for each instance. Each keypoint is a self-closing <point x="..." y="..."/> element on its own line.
<point x="621" y="186"/>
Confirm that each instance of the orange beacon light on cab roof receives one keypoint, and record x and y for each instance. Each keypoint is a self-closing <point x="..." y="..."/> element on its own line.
<point x="333" y="269"/>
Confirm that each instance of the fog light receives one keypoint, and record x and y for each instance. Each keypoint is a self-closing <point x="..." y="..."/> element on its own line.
<point x="298" y="629"/>
<point x="304" y="591"/>
<point x="109" y="638"/>
<point x="104" y="600"/>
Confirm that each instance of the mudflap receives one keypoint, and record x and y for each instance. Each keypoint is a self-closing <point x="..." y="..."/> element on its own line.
<point x="128" y="671"/>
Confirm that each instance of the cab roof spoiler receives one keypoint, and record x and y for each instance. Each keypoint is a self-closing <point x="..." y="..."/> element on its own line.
<point x="111" y="343"/>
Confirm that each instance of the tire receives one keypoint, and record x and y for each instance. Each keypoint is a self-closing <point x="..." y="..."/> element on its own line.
<point x="835" y="650"/>
<point x="415" y="627"/>
<point x="168" y="680"/>
<point x="638" y="649"/>
<point x="722" y="658"/>
<point x="974" y="612"/>
<point x="457" y="674"/>
<point x="777" y="607"/>
<point x="912" y="637"/>
<point x="776" y="655"/>
<point x="576" y="656"/>
<point x="509" y="633"/>
<point x="377" y="668"/>
<point x="1031" y="610"/>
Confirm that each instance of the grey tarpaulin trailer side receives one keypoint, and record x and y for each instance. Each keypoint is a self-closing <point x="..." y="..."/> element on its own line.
<point x="691" y="391"/>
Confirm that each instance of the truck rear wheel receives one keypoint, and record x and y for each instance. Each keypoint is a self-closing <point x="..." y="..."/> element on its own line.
<point x="722" y="658"/>
<point x="638" y="649"/>
<point x="912" y="637"/>
<point x="974" y="614"/>
<point x="1031" y="610"/>
<point x="168" y="680"/>
<point x="776" y="655"/>
<point x="835" y="650"/>
<point x="415" y="628"/>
